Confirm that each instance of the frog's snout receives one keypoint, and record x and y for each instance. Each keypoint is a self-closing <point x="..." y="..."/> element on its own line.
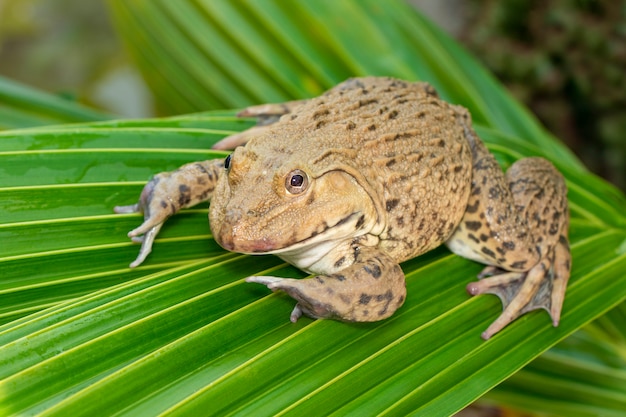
<point x="232" y="234"/>
<point x="223" y="231"/>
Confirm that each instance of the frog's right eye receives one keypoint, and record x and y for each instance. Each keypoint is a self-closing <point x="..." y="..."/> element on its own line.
<point x="296" y="182"/>
<point x="227" y="162"/>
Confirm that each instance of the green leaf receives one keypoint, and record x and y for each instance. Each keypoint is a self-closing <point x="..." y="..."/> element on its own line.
<point x="184" y="333"/>
<point x="22" y="106"/>
<point x="83" y="334"/>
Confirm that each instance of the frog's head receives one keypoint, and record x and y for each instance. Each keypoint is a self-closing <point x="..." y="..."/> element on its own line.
<point x="276" y="201"/>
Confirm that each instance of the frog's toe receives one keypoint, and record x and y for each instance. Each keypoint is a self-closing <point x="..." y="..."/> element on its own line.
<point x="520" y="292"/>
<point x="270" y="282"/>
<point x="296" y="313"/>
<point x="146" y="244"/>
<point x="154" y="215"/>
<point x="304" y="291"/>
<point x="267" y="110"/>
<point x="239" y="139"/>
<point x="133" y="208"/>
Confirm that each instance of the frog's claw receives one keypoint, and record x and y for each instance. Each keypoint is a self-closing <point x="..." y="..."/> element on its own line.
<point x="543" y="286"/>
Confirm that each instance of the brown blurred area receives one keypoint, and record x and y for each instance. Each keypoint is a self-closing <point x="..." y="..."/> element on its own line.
<point x="565" y="59"/>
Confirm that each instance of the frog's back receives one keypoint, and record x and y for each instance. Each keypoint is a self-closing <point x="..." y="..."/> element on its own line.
<point x="407" y="147"/>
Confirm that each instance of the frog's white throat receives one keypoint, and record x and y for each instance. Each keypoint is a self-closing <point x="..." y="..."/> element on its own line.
<point x="320" y="253"/>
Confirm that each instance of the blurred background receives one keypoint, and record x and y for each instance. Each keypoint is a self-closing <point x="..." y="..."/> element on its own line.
<point x="565" y="59"/>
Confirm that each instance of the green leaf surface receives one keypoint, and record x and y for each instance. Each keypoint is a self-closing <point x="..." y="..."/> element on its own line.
<point x="184" y="334"/>
<point x="83" y="334"/>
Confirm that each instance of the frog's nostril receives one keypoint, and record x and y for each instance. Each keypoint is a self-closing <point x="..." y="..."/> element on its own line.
<point x="233" y="215"/>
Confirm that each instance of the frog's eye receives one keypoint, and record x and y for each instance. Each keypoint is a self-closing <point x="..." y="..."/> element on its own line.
<point x="227" y="162"/>
<point x="296" y="182"/>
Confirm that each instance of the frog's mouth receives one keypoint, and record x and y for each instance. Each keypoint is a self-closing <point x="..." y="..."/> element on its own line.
<point x="236" y="239"/>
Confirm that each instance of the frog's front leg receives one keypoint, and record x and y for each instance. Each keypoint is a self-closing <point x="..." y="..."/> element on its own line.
<point x="165" y="194"/>
<point x="518" y="225"/>
<point x="370" y="289"/>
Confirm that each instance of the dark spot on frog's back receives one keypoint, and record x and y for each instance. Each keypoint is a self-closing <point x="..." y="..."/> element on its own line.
<point x="320" y="113"/>
<point x="363" y="103"/>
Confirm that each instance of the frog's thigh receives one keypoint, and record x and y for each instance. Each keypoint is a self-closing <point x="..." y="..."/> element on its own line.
<point x="495" y="229"/>
<point x="371" y="289"/>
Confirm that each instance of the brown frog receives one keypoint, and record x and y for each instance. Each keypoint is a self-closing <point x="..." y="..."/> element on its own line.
<point x="372" y="173"/>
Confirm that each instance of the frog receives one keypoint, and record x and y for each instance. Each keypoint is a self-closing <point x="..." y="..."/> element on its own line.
<point x="348" y="185"/>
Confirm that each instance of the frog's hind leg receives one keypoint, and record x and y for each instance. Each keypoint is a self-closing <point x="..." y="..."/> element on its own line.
<point x="520" y="231"/>
<point x="371" y="289"/>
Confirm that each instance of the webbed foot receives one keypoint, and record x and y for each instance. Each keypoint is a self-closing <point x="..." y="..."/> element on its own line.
<point x="543" y="286"/>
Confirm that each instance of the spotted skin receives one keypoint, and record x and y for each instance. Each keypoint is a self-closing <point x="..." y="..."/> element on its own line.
<point x="374" y="172"/>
